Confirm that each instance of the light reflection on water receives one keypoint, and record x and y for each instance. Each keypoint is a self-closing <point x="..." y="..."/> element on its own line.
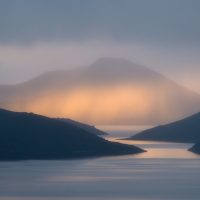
<point x="159" y="149"/>
<point x="166" y="172"/>
<point x="154" y="149"/>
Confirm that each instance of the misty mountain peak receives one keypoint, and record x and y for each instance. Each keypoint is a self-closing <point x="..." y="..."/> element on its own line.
<point x="110" y="63"/>
<point x="121" y="68"/>
<point x="110" y="91"/>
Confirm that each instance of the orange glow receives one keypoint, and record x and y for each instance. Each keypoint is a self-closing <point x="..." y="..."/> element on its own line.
<point x="89" y="104"/>
<point x="113" y="104"/>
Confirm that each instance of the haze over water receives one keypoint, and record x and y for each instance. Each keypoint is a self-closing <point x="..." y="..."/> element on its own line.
<point x="166" y="172"/>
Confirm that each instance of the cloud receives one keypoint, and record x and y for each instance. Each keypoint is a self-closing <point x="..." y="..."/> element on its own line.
<point x="156" y="21"/>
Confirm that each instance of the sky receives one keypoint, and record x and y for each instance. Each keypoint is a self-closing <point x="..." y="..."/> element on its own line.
<point x="42" y="35"/>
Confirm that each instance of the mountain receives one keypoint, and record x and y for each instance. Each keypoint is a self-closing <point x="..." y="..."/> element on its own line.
<point x="31" y="136"/>
<point x="88" y="128"/>
<point x="186" y="130"/>
<point x="112" y="91"/>
<point x="195" y="148"/>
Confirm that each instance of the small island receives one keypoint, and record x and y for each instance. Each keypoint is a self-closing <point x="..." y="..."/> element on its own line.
<point x="195" y="148"/>
<point x="182" y="131"/>
<point x="29" y="136"/>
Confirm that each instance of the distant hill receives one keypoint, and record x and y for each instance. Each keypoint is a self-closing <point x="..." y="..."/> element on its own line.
<point x="30" y="136"/>
<point x="186" y="130"/>
<point x="195" y="148"/>
<point x="112" y="91"/>
<point x="88" y="128"/>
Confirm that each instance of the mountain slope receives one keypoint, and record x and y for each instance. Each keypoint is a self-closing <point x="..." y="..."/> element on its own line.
<point x="186" y="130"/>
<point x="30" y="136"/>
<point x="110" y="91"/>
<point x="88" y="128"/>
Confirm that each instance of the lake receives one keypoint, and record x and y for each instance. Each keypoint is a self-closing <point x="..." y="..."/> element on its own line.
<point x="166" y="172"/>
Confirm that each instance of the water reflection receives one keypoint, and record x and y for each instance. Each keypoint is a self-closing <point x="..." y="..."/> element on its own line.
<point x="154" y="149"/>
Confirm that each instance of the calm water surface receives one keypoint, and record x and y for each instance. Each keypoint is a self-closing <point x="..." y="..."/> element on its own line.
<point x="166" y="172"/>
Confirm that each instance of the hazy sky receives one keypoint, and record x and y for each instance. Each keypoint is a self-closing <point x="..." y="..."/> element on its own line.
<point x="41" y="35"/>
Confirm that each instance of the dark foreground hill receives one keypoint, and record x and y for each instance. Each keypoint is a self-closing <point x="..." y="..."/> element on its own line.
<point x="30" y="136"/>
<point x="186" y="130"/>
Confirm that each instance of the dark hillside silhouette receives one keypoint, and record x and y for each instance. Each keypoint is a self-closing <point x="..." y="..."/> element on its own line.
<point x="30" y="136"/>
